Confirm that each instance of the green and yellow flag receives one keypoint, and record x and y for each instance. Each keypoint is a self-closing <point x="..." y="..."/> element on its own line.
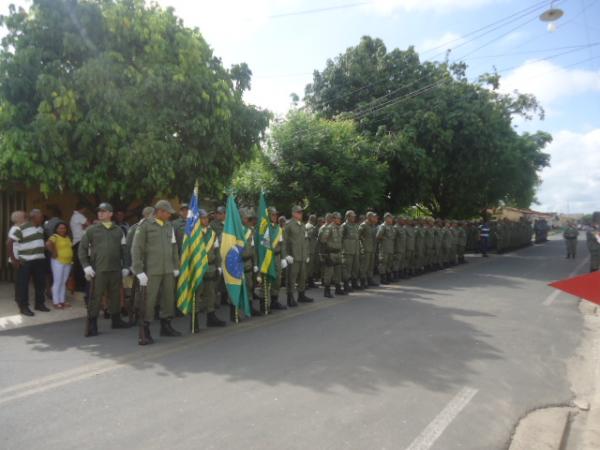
<point x="268" y="236"/>
<point x="232" y="248"/>
<point x="194" y="260"/>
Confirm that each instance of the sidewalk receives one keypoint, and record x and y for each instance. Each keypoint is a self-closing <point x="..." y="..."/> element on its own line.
<point x="11" y="319"/>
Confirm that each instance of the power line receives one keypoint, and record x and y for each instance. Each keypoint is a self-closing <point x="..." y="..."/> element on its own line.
<point x="317" y="10"/>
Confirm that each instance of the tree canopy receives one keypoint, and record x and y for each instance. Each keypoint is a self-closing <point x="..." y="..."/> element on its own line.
<point x="448" y="142"/>
<point x="119" y="99"/>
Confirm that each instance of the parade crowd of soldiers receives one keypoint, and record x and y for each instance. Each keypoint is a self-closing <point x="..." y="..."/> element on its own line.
<point x="342" y="254"/>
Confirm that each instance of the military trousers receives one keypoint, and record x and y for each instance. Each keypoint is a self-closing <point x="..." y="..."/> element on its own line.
<point x="206" y="295"/>
<point x="296" y="273"/>
<point x="571" y="247"/>
<point x="398" y="262"/>
<point x="419" y="260"/>
<point x="162" y="286"/>
<point x="594" y="260"/>
<point x="109" y="284"/>
<point x="410" y="259"/>
<point x="367" y="265"/>
<point x="332" y="269"/>
<point x="386" y="263"/>
<point x="351" y="266"/>
<point x="275" y="285"/>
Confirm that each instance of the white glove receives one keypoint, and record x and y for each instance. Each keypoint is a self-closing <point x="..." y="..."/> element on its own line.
<point x="89" y="273"/>
<point x="143" y="279"/>
<point x="289" y="259"/>
<point x="307" y="260"/>
<point x="255" y="269"/>
<point x="124" y="272"/>
<point x="283" y="263"/>
<point x="176" y="272"/>
<point x="220" y="270"/>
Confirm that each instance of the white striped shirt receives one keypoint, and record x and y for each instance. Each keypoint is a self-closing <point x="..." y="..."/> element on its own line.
<point x="31" y="242"/>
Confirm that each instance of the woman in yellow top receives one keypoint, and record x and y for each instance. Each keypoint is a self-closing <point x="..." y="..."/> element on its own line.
<point x="61" y="248"/>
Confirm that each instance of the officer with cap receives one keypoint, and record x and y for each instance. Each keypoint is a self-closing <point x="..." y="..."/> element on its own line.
<point x="103" y="256"/>
<point x="386" y="236"/>
<point x="156" y="264"/>
<point x="313" y="231"/>
<point x="179" y="224"/>
<point x="278" y="248"/>
<point x="218" y="224"/>
<point x="330" y="240"/>
<point x="350" y="252"/>
<point x="366" y="235"/>
<point x="249" y="257"/>
<point x="297" y="251"/>
<point x="206" y="295"/>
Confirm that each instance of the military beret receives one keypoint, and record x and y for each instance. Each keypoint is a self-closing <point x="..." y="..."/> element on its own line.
<point x="104" y="206"/>
<point x="165" y="205"/>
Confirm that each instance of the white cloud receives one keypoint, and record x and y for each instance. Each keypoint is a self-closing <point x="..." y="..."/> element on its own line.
<point x="446" y="41"/>
<point x="388" y="6"/>
<point x="572" y="182"/>
<point x="549" y="82"/>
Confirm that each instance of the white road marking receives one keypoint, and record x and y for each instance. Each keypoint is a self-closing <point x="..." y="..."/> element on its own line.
<point x="550" y="299"/>
<point x="434" y="430"/>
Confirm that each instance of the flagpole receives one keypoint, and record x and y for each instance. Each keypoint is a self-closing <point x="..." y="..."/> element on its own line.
<point x="193" y="312"/>
<point x="267" y="294"/>
<point x="237" y="315"/>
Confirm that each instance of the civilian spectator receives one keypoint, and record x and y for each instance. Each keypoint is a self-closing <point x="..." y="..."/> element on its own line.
<point x="55" y="218"/>
<point x="120" y="221"/>
<point x="78" y="224"/>
<point x="17" y="218"/>
<point x="60" y="247"/>
<point x="30" y="236"/>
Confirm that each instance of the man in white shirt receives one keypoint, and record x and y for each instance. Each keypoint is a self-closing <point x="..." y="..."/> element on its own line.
<point x="78" y="224"/>
<point x="17" y="218"/>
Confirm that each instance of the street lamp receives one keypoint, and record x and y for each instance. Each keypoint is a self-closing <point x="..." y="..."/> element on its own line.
<point x="551" y="16"/>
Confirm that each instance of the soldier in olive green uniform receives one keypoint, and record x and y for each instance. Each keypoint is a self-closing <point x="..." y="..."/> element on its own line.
<point x="399" y="249"/>
<point x="217" y="225"/>
<point x="102" y="252"/>
<point x="156" y="264"/>
<point x="330" y="244"/>
<point x="570" y="235"/>
<point x="296" y="248"/>
<point x="429" y="244"/>
<point x="179" y="225"/>
<point x="593" y="244"/>
<point x="312" y="233"/>
<point x="350" y="252"/>
<point x="366" y="235"/>
<point x="419" y="247"/>
<point x="280" y="262"/>
<point x="409" y="230"/>
<point x="386" y="236"/>
<point x="249" y="257"/>
<point x="206" y="295"/>
<point x="438" y="235"/>
<point x="461" y="242"/>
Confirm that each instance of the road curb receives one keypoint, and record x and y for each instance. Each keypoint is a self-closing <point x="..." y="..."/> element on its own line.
<point x="542" y="429"/>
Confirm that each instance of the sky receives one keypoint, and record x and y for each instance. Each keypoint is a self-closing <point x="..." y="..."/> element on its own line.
<point x="284" y="41"/>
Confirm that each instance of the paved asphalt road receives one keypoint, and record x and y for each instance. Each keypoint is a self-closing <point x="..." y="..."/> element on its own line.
<point x="449" y="360"/>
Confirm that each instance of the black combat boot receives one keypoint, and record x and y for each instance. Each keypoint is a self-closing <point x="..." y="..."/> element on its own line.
<point x="327" y="292"/>
<point x="167" y="330"/>
<point x="347" y="287"/>
<point x="290" y="300"/>
<point x="339" y="290"/>
<point x="195" y="327"/>
<point x="144" y="337"/>
<point x="213" y="321"/>
<point x="302" y="298"/>
<point x="91" y="327"/>
<point x="275" y="305"/>
<point x="116" y="322"/>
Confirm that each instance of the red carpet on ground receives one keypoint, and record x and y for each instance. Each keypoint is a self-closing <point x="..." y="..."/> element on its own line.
<point x="585" y="286"/>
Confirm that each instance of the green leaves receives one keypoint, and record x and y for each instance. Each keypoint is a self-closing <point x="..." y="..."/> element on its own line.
<point x="119" y="100"/>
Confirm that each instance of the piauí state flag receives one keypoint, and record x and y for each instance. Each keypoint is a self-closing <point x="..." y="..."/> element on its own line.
<point x="585" y="286"/>
<point x="193" y="260"/>
<point x="232" y="248"/>
<point x="268" y="237"/>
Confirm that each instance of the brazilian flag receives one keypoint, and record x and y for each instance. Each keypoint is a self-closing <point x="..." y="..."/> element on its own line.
<point x="232" y="248"/>
<point x="268" y="236"/>
<point x="194" y="260"/>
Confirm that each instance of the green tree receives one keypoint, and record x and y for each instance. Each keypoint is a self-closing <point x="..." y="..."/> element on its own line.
<point x="448" y="143"/>
<point x="320" y="163"/>
<point x="120" y="100"/>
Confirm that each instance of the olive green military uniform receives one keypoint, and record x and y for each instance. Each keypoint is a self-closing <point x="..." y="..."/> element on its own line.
<point x="594" y="248"/>
<point x="278" y="254"/>
<point x="386" y="237"/>
<point x="179" y="228"/>
<point x="429" y="243"/>
<point x="366" y="236"/>
<point x="399" y="265"/>
<point x="330" y="239"/>
<point x="350" y="252"/>
<point x="312" y="234"/>
<point x="419" y="248"/>
<point x="296" y="246"/>
<point x="155" y="254"/>
<point x="409" y="230"/>
<point x="206" y="295"/>
<point x="104" y="249"/>
<point x="461" y="243"/>
<point x="250" y="259"/>
<point x="570" y="234"/>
